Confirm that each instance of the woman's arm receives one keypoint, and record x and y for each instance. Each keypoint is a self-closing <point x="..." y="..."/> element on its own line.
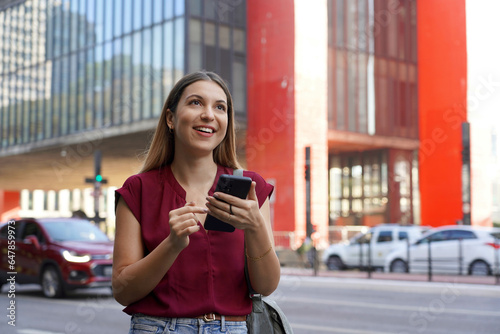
<point x="262" y="261"/>
<point x="136" y="275"/>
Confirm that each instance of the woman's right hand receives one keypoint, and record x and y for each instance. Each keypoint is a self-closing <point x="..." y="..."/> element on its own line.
<point x="136" y="274"/>
<point x="183" y="222"/>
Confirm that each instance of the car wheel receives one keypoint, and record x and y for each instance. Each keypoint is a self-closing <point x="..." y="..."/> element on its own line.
<point x="52" y="285"/>
<point x="398" y="266"/>
<point x="479" y="268"/>
<point x="334" y="263"/>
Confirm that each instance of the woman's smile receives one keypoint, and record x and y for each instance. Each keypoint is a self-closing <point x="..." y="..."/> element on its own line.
<point x="206" y="131"/>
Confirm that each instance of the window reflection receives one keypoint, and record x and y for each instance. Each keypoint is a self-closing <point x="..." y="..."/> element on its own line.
<point x="158" y="10"/>
<point x="147" y="11"/>
<point x="137" y="17"/>
<point x="147" y="74"/>
<point x="179" y="7"/>
<point x="94" y="63"/>
<point x="127" y="16"/>
<point x="107" y="83"/>
<point x="118" y="16"/>
<point x="157" y="99"/>
<point x="370" y="59"/>
<point x="168" y="57"/>
<point x="195" y="49"/>
<point x="98" y="86"/>
<point x="355" y="188"/>
<point x="136" y="92"/>
<point x="99" y="21"/>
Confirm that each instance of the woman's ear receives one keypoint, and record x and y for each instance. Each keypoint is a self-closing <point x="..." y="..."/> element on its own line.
<point x="170" y="119"/>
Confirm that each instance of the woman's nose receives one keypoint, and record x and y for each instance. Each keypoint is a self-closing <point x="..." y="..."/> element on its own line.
<point x="207" y="114"/>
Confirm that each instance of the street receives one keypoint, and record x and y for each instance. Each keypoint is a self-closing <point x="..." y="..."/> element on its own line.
<point x="312" y="304"/>
<point x="361" y="306"/>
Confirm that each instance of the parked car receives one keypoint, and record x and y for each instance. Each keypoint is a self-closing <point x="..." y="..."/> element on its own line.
<point x="60" y="254"/>
<point x="378" y="240"/>
<point x="476" y="246"/>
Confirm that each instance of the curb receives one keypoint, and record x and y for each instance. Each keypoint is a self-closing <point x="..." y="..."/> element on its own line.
<point x="466" y="279"/>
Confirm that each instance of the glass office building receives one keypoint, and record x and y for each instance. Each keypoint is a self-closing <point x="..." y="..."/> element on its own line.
<point x="70" y="66"/>
<point x="372" y="50"/>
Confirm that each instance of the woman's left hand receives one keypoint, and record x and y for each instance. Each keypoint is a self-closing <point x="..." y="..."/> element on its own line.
<point x="243" y="214"/>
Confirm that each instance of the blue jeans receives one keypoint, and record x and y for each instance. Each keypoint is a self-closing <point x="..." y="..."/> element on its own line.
<point x="140" y="324"/>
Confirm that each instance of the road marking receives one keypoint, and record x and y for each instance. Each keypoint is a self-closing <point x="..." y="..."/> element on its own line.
<point x="95" y="302"/>
<point x="333" y="329"/>
<point x="36" y="331"/>
<point x="390" y="307"/>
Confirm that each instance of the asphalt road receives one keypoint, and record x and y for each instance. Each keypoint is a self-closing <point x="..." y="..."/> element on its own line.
<point x="312" y="304"/>
<point x="361" y="306"/>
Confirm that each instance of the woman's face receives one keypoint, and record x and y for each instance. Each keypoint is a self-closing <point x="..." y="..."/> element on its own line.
<point x="200" y="122"/>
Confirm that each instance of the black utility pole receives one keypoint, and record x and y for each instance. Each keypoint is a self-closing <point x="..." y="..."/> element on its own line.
<point x="309" y="228"/>
<point x="466" y="191"/>
<point x="97" y="181"/>
<point x="309" y="225"/>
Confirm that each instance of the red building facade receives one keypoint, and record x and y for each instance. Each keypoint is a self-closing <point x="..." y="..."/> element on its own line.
<point x="386" y="75"/>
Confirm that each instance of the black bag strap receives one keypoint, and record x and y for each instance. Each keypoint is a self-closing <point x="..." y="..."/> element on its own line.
<point x="255" y="296"/>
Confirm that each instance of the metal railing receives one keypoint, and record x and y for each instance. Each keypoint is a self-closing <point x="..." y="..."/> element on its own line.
<point x="456" y="267"/>
<point x="338" y="234"/>
<point x="284" y="240"/>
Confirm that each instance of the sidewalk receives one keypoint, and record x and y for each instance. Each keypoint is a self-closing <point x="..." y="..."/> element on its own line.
<point x="467" y="279"/>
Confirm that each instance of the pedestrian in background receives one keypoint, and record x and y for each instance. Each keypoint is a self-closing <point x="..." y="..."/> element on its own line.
<point x="169" y="271"/>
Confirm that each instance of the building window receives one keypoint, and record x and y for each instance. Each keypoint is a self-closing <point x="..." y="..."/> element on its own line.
<point x="372" y="67"/>
<point x="216" y="42"/>
<point x="82" y="65"/>
<point x="358" y="188"/>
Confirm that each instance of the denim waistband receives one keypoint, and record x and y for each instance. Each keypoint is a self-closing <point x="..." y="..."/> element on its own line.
<point x="178" y="320"/>
<point x="142" y="321"/>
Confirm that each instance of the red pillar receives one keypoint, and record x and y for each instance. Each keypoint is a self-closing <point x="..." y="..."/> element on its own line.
<point x="9" y="204"/>
<point x="442" y="61"/>
<point x="270" y="66"/>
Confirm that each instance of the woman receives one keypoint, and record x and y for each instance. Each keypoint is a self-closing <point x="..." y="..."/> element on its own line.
<point x="168" y="270"/>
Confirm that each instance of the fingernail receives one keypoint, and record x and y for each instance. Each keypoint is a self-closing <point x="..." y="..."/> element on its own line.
<point x="216" y="195"/>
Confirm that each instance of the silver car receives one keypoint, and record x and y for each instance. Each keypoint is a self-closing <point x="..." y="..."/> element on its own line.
<point x="450" y="250"/>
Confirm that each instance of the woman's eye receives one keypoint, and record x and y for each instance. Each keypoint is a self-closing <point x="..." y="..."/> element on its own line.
<point x="196" y="102"/>
<point x="221" y="107"/>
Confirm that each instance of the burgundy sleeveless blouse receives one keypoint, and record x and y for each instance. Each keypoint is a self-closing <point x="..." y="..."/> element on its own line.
<point x="208" y="275"/>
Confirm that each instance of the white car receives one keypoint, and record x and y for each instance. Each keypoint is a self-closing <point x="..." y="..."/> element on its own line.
<point x="377" y="241"/>
<point x="453" y="249"/>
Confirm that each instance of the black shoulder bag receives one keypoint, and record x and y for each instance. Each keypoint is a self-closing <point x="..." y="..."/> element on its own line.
<point x="266" y="317"/>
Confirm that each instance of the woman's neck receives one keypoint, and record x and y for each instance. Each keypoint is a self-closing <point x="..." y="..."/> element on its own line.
<point x="194" y="172"/>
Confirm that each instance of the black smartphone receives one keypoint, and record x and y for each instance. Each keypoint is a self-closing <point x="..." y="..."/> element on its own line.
<point x="233" y="185"/>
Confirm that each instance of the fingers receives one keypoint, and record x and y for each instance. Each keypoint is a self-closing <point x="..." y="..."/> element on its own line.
<point x="251" y="193"/>
<point x="189" y="208"/>
<point x="183" y="221"/>
<point x="222" y="211"/>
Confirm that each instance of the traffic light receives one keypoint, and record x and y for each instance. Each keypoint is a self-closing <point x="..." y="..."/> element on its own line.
<point x="97" y="180"/>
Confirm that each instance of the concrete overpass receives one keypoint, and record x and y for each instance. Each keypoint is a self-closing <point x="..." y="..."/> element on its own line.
<point x="64" y="162"/>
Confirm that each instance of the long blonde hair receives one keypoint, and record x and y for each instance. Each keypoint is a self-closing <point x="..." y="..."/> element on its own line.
<point x="161" y="149"/>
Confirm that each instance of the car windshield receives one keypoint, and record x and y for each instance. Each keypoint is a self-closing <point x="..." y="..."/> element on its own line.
<point x="74" y="230"/>
<point x="495" y="235"/>
<point x="361" y="238"/>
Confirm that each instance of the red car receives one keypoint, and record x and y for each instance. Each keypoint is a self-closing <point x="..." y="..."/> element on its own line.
<point x="60" y="254"/>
